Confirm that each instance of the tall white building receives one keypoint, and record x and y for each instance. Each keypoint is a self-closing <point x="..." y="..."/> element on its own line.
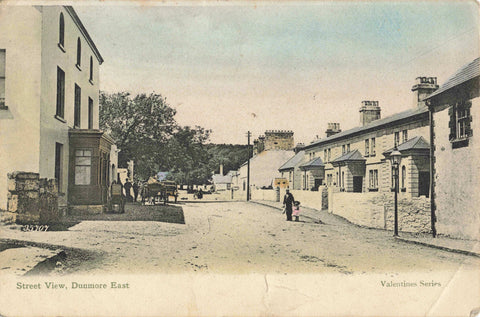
<point x="49" y="112"/>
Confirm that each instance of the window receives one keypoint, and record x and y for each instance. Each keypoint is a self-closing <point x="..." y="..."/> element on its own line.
<point x="79" y="53"/>
<point x="83" y="167"/>
<point x="373" y="179"/>
<point x="460" y="124"/>
<point x="329" y="179"/>
<point x="404" y="176"/>
<point x="76" y="111"/>
<point x="396" y="140"/>
<point x="337" y="179"/>
<point x="367" y="147"/>
<point x="372" y="147"/>
<point x="91" y="70"/>
<point x="90" y="113"/>
<point x="60" y="93"/>
<point x="325" y="155"/>
<point x="58" y="165"/>
<point x="289" y="176"/>
<point x="329" y="154"/>
<point x="343" y="149"/>
<point x="404" y="136"/>
<point x="348" y="148"/>
<point x="2" y="78"/>
<point x="61" y="32"/>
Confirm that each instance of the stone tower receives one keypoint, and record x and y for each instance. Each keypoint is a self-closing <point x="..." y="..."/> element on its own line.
<point x="369" y="111"/>
<point x="279" y="140"/>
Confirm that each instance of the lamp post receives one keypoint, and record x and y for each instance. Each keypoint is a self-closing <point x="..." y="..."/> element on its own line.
<point x="395" y="159"/>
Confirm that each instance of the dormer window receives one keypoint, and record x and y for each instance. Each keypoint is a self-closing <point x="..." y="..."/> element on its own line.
<point x="61" y="32"/>
<point x="79" y="53"/>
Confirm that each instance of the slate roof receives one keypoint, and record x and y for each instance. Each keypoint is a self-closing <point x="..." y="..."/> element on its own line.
<point x="417" y="143"/>
<point x="466" y="73"/>
<point x="317" y="162"/>
<point x="291" y="163"/>
<point x="374" y="125"/>
<point x="350" y="156"/>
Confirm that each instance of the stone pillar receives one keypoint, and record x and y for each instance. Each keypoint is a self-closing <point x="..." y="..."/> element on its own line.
<point x="31" y="199"/>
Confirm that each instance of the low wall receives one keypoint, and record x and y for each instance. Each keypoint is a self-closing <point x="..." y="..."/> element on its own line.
<point x="32" y="199"/>
<point x="263" y="194"/>
<point x="376" y="210"/>
<point x="311" y="199"/>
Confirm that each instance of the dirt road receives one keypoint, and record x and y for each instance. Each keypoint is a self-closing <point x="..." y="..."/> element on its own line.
<point x="239" y="237"/>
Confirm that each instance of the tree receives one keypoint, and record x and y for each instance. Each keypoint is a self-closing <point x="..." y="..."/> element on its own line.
<point x="141" y="127"/>
<point x="187" y="155"/>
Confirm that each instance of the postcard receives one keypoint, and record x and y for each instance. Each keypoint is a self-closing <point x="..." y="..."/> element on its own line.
<point x="239" y="158"/>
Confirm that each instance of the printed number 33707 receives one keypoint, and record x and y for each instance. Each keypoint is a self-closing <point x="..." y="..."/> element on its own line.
<point x="34" y="228"/>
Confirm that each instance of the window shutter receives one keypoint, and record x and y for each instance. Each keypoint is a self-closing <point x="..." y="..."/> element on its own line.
<point x="452" y="124"/>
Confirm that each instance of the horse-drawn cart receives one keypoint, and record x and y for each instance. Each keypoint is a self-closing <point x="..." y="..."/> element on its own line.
<point x="154" y="192"/>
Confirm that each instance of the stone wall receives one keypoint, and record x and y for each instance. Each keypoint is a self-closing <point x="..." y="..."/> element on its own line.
<point x="376" y="210"/>
<point x="32" y="199"/>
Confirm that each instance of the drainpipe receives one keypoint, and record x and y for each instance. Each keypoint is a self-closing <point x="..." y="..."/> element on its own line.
<point x="433" y="218"/>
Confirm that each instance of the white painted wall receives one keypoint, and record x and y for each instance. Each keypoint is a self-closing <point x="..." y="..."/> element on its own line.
<point x="457" y="179"/>
<point x="20" y="36"/>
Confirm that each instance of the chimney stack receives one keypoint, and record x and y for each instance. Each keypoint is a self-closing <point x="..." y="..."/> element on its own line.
<point x="332" y="128"/>
<point x="369" y="111"/>
<point x="423" y="87"/>
<point x="298" y="147"/>
<point x="221" y="169"/>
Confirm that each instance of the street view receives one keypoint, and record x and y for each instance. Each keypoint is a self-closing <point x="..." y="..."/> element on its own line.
<point x="271" y="158"/>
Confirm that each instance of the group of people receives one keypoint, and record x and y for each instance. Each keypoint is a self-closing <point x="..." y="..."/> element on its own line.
<point x="290" y="206"/>
<point x="128" y="186"/>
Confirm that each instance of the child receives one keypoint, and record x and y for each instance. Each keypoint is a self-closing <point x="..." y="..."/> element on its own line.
<point x="296" y="210"/>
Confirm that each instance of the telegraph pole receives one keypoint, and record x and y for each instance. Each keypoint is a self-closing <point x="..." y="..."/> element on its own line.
<point x="249" y="134"/>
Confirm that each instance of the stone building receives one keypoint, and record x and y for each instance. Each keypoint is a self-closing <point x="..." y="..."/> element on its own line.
<point x="274" y="140"/>
<point x="455" y="113"/>
<point x="354" y="160"/>
<point x="353" y="175"/>
<point x="49" y="111"/>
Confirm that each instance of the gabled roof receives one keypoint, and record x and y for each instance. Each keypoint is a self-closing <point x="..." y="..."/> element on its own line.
<point x="466" y="73"/>
<point x="405" y="115"/>
<point x="291" y="163"/>
<point x="350" y="156"/>
<point x="316" y="162"/>
<point x="417" y="143"/>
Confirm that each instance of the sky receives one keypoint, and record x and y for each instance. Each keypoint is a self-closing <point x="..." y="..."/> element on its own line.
<point x="234" y="67"/>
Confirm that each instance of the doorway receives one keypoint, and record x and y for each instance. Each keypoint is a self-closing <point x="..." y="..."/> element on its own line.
<point x="423" y="184"/>
<point x="357" y="184"/>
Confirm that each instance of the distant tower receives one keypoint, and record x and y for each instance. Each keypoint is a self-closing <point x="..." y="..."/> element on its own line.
<point x="423" y="87"/>
<point x="279" y="140"/>
<point x="369" y="111"/>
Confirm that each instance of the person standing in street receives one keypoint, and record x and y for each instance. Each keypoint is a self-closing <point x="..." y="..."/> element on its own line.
<point x="128" y="187"/>
<point x="288" y="201"/>
<point x="135" y="191"/>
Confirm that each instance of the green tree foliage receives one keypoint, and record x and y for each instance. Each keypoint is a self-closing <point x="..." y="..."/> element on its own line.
<point x="141" y="127"/>
<point x="145" y="131"/>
